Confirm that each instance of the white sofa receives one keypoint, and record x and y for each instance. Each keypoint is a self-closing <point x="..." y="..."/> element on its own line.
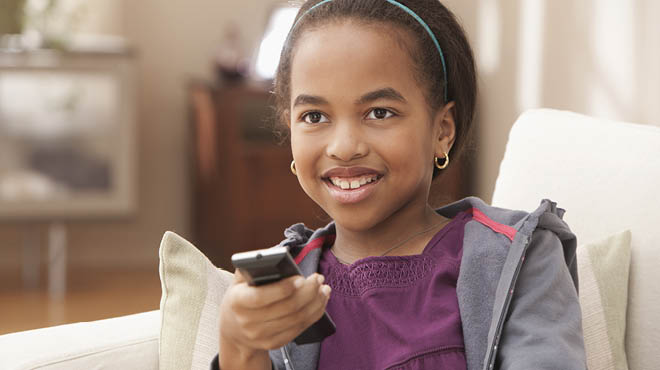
<point x="605" y="174"/>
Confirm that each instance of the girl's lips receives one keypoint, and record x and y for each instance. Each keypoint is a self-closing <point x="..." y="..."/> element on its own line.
<point x="350" y="196"/>
<point x="353" y="171"/>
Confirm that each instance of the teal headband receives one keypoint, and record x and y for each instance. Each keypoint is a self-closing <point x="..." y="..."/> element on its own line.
<point x="417" y="18"/>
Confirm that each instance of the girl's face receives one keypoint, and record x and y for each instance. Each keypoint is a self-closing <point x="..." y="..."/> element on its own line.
<point x="361" y="132"/>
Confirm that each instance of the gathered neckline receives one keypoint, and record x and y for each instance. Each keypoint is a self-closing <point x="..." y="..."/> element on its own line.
<point x="388" y="259"/>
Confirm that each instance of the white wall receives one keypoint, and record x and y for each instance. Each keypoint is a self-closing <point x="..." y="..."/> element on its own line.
<point x="597" y="57"/>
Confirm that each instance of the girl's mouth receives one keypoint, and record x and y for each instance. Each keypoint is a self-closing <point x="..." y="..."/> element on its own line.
<point x="351" y="189"/>
<point x="354" y="182"/>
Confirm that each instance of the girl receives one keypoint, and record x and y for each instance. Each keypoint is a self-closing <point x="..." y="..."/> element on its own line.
<point x="377" y="94"/>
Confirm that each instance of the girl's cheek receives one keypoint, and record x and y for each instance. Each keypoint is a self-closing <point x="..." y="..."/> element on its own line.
<point x="411" y="153"/>
<point x="304" y="154"/>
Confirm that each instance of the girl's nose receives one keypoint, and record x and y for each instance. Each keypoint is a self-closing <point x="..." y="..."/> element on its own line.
<point x="346" y="142"/>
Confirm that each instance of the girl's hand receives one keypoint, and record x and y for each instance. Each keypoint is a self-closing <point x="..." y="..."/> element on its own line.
<point x="256" y="319"/>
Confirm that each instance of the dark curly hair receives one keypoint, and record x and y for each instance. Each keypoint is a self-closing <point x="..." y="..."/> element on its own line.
<point x="459" y="60"/>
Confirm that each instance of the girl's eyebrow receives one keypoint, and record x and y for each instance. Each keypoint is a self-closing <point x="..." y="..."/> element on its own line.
<point x="384" y="93"/>
<point x="304" y="99"/>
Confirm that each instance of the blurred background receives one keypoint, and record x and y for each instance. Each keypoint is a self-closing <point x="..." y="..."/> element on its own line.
<point x="122" y="119"/>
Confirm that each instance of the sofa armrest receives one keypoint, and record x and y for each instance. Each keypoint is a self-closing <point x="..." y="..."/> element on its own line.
<point x="126" y="342"/>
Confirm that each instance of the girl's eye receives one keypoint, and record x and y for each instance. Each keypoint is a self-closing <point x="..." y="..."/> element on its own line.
<point x="380" y="113"/>
<point x="314" y="118"/>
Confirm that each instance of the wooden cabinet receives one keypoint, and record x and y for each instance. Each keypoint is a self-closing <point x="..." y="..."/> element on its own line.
<point x="244" y="193"/>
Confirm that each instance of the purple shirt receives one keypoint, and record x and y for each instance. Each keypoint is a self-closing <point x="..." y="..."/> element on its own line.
<point x="397" y="312"/>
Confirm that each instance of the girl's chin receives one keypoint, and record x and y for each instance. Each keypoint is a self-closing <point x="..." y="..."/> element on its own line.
<point x="358" y="217"/>
<point x="354" y="221"/>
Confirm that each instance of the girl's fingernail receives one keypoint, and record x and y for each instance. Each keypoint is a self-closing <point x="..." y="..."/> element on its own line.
<point x="320" y="279"/>
<point x="298" y="282"/>
<point x="326" y="290"/>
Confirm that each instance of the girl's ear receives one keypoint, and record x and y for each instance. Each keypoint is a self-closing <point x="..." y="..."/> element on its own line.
<point x="444" y="130"/>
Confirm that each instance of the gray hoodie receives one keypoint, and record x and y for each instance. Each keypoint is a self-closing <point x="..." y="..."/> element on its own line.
<point x="517" y="290"/>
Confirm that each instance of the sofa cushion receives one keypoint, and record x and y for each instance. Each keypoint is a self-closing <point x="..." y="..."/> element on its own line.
<point x="603" y="270"/>
<point x="127" y="343"/>
<point x="606" y="175"/>
<point x="192" y="289"/>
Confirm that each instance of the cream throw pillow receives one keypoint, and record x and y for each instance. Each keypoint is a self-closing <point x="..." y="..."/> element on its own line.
<point x="192" y="289"/>
<point x="603" y="275"/>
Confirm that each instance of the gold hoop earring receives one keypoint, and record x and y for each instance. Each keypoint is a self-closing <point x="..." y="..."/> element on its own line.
<point x="444" y="165"/>
<point x="293" y="167"/>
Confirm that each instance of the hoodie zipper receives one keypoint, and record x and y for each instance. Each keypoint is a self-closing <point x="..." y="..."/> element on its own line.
<point x="493" y="346"/>
<point x="287" y="360"/>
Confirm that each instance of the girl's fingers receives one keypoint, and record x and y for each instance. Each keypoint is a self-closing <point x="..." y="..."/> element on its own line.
<point x="259" y="297"/>
<point x="266" y="315"/>
<point x="275" y="333"/>
<point x="255" y="297"/>
<point x="302" y="297"/>
<point x="238" y="277"/>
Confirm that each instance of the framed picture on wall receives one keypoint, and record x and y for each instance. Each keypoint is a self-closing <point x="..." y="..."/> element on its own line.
<point x="67" y="135"/>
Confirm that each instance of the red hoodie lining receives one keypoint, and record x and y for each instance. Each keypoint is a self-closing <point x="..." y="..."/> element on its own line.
<point x="506" y="230"/>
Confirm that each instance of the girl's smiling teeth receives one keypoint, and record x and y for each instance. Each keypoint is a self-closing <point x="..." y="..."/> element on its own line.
<point x="346" y="183"/>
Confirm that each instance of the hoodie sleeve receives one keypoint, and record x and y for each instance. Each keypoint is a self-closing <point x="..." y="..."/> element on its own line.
<point x="543" y="328"/>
